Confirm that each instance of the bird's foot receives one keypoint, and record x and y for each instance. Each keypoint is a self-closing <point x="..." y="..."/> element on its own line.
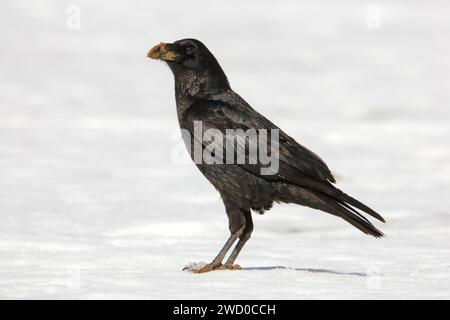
<point x="229" y="267"/>
<point x="203" y="268"/>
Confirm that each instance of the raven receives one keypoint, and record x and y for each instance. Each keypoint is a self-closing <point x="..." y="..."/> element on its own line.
<point x="203" y="95"/>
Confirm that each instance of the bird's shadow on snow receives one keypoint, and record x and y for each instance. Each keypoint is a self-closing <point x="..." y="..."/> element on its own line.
<point x="312" y="270"/>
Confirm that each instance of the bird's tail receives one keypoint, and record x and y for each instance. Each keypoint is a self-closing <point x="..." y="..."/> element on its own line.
<point x="335" y="202"/>
<point x="346" y="210"/>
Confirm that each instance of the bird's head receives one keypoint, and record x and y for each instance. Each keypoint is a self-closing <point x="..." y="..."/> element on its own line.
<point x="190" y="58"/>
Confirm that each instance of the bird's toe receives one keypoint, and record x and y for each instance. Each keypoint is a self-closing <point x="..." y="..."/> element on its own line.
<point x="211" y="267"/>
<point x="231" y="267"/>
<point x="207" y="268"/>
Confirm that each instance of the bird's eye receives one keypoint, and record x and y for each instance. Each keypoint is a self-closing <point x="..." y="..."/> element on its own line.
<point x="190" y="49"/>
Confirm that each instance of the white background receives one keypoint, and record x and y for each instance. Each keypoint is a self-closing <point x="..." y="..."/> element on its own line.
<point x="92" y="204"/>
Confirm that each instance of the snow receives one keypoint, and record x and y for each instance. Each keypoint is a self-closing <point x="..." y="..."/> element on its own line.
<point x="93" y="205"/>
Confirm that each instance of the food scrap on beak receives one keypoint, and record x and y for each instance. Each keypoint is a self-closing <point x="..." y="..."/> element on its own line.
<point x="161" y="52"/>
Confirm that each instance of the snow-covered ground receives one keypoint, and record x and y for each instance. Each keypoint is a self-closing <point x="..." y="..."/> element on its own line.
<point x="92" y="204"/>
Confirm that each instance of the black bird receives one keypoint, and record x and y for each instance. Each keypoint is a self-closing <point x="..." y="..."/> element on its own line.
<point x="203" y="94"/>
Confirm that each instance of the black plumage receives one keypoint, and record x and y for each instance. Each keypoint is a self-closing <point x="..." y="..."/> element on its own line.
<point x="203" y="94"/>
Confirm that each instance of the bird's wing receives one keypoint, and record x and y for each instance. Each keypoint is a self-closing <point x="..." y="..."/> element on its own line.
<point x="297" y="165"/>
<point x="295" y="161"/>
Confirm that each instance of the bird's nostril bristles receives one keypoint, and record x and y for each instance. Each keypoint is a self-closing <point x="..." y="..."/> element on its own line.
<point x="161" y="52"/>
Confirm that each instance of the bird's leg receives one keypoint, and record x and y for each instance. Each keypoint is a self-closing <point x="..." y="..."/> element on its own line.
<point x="237" y="224"/>
<point x="229" y="264"/>
<point x="247" y="232"/>
<point x="217" y="262"/>
<point x="219" y="258"/>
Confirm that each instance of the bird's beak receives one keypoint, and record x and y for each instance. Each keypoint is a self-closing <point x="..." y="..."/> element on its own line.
<point x="162" y="52"/>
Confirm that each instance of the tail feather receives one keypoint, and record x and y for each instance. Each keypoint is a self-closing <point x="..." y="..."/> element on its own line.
<point x="359" y="205"/>
<point x="334" y="193"/>
<point x="333" y="201"/>
<point x="350" y="215"/>
<point x="353" y="210"/>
